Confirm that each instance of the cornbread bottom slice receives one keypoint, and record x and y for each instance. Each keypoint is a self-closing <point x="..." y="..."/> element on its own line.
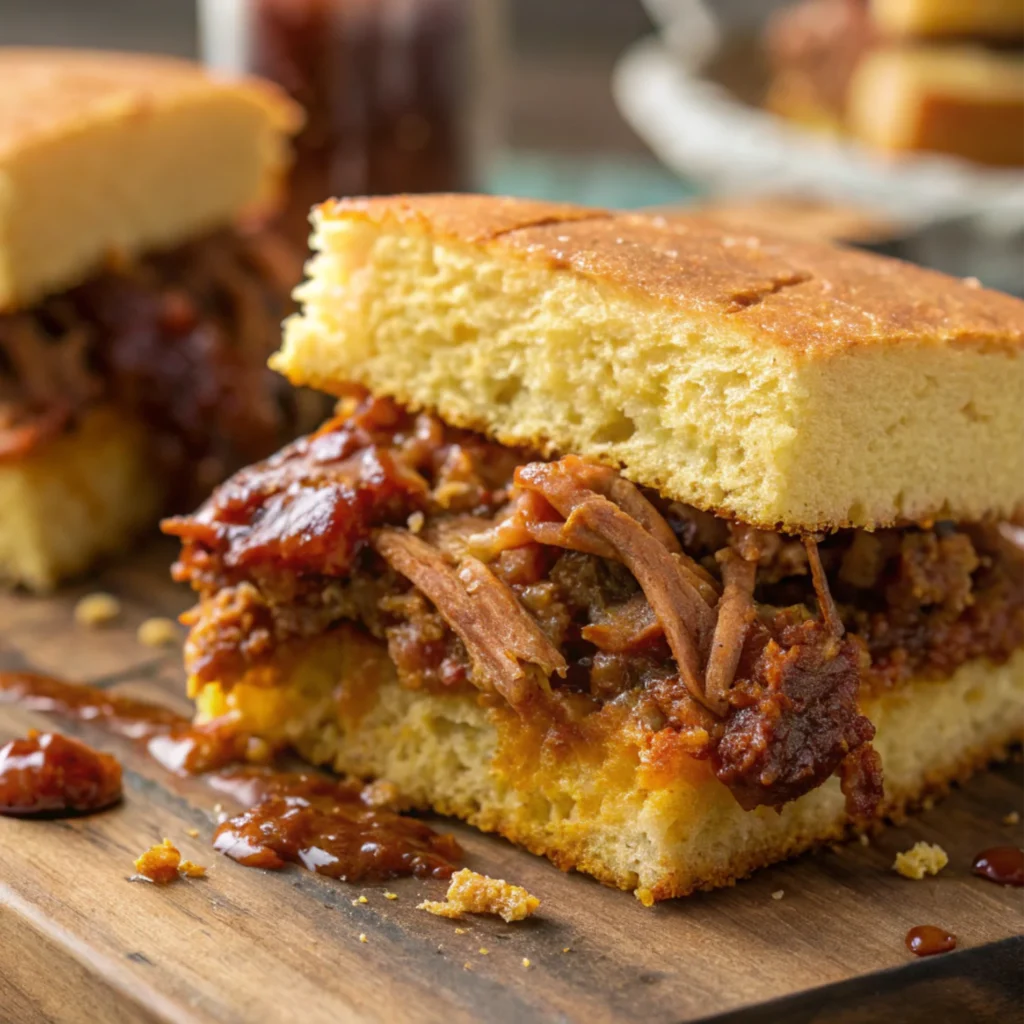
<point x="83" y="495"/>
<point x="607" y="797"/>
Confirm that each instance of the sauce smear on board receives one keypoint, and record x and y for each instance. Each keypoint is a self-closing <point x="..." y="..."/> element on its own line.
<point x="328" y="825"/>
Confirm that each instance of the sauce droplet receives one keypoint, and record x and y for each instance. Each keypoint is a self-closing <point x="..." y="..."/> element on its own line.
<point x="927" y="940"/>
<point x="1001" y="864"/>
<point x="47" y="773"/>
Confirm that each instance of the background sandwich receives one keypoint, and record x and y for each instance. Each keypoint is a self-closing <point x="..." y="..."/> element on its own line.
<point x="903" y="75"/>
<point x="695" y="554"/>
<point x="135" y="317"/>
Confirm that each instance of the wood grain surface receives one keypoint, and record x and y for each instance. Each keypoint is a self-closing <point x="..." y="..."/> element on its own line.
<point x="80" y="942"/>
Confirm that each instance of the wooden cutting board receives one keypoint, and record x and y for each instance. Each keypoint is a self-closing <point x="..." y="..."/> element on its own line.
<point x="80" y="942"/>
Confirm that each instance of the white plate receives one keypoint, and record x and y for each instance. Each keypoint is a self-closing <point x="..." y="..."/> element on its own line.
<point x="705" y="134"/>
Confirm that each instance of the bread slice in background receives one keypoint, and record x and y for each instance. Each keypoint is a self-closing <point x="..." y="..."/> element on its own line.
<point x="782" y="382"/>
<point x="79" y="495"/>
<point x="964" y="101"/>
<point x="988" y="19"/>
<point x="111" y="154"/>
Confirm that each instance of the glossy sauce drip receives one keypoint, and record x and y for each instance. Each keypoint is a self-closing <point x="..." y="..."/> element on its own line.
<point x="47" y="773"/>
<point x="328" y="827"/>
<point x="927" y="940"/>
<point x="1001" y="864"/>
<point x="172" y="740"/>
<point x="333" y="827"/>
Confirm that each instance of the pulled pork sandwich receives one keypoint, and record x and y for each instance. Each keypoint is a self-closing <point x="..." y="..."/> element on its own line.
<point x="664" y="550"/>
<point x="135" y="317"/>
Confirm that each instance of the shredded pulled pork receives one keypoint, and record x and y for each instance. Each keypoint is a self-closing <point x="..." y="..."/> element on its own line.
<point x="482" y="566"/>
<point x="181" y="340"/>
<point x="498" y="632"/>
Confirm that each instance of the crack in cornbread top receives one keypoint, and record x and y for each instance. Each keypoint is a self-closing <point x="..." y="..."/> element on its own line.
<point x="801" y="294"/>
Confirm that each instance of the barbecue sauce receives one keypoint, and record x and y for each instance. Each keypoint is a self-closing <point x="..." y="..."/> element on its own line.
<point x="927" y="940"/>
<point x="328" y="825"/>
<point x="47" y="773"/>
<point x="171" y="739"/>
<point x="1003" y="865"/>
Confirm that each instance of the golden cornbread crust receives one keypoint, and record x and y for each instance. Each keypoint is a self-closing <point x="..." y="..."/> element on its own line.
<point x="104" y="153"/>
<point x="611" y="798"/>
<point x="787" y="383"/>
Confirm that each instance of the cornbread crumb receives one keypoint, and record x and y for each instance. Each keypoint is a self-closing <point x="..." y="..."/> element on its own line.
<point x="483" y="951"/>
<point x="192" y="832"/>
<point x="192" y="870"/>
<point x="97" y="609"/>
<point x="362" y="937"/>
<point x="526" y="963"/>
<point x="358" y="900"/>
<point x="567" y="949"/>
<point x="391" y="895"/>
<point x="157" y="632"/>
<point x="865" y="839"/>
<point x="473" y="893"/>
<point x="381" y="793"/>
<point x="458" y="931"/>
<point x="159" y="863"/>
<point x="928" y="803"/>
<point x="920" y="860"/>
<point x="258" y="750"/>
<point x="1013" y="818"/>
<point x="778" y="894"/>
<point x="467" y="966"/>
<point x="415" y="522"/>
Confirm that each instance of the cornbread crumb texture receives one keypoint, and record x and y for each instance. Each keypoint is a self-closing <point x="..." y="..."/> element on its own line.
<point x="158" y="632"/>
<point x="97" y="609"/>
<point x="779" y="380"/>
<point x="621" y="805"/>
<point x="473" y="893"/>
<point x="160" y="152"/>
<point x="778" y="894"/>
<point x="159" y="863"/>
<point x="162" y="864"/>
<point x="81" y="496"/>
<point x="1013" y="818"/>
<point x="920" y="860"/>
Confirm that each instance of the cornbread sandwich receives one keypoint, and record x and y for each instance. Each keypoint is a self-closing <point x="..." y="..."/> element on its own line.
<point x="135" y="311"/>
<point x="664" y="550"/>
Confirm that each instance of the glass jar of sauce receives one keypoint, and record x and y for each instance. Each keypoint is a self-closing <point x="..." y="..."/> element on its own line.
<point x="390" y="89"/>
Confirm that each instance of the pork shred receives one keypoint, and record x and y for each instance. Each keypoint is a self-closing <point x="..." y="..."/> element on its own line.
<point x="485" y="567"/>
<point x="179" y="339"/>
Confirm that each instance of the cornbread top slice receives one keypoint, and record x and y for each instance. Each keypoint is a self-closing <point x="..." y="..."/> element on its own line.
<point x="108" y="153"/>
<point x="786" y="383"/>
<point x="994" y="19"/>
